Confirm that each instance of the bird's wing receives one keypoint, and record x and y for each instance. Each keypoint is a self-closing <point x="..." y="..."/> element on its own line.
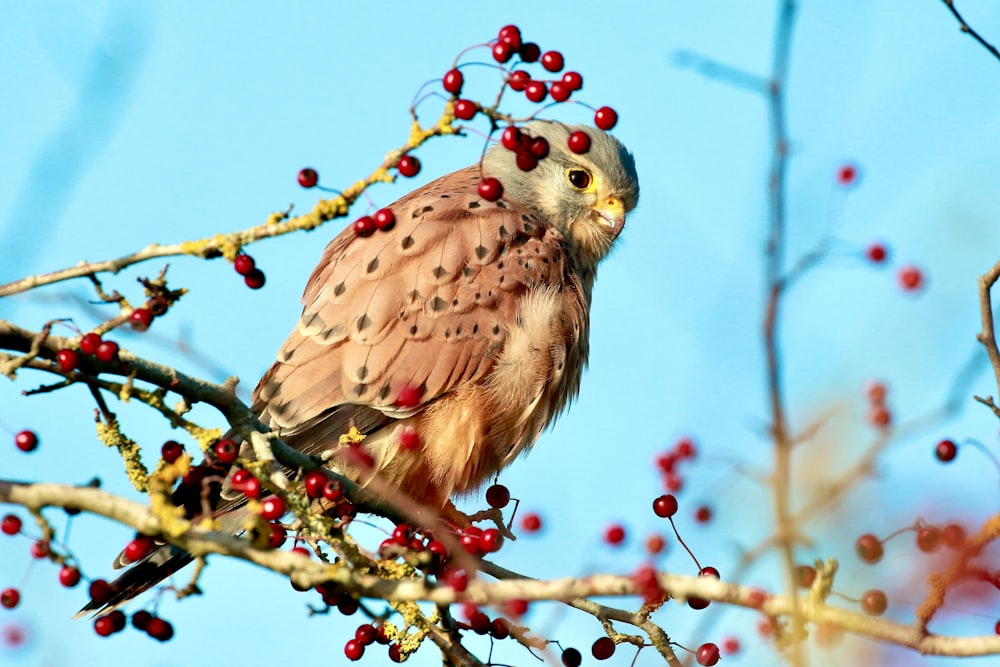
<point x="393" y="321"/>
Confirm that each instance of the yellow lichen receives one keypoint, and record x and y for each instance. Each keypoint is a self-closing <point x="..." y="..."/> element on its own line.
<point x="110" y="434"/>
<point x="352" y="437"/>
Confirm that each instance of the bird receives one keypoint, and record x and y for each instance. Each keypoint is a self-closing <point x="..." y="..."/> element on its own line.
<point x="453" y="338"/>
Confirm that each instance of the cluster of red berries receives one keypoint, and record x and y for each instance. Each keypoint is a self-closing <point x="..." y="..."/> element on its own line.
<point x="381" y="220"/>
<point x="667" y="463"/>
<point x="247" y="267"/>
<point x="91" y="345"/>
<point x="929" y="539"/>
<point x="879" y="414"/>
<point x="479" y="622"/>
<point x="909" y="277"/>
<point x="366" y="635"/>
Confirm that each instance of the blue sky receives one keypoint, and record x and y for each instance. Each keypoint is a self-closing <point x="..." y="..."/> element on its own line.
<point x="128" y="123"/>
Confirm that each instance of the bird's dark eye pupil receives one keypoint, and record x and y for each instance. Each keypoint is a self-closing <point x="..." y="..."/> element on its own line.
<point x="579" y="178"/>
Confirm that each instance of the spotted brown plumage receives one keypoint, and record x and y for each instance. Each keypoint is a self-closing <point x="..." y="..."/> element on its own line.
<point x="463" y="326"/>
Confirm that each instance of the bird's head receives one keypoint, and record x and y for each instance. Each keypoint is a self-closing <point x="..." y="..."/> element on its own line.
<point x="586" y="195"/>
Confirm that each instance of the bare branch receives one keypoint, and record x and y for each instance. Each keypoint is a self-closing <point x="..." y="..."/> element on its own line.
<point x="966" y="28"/>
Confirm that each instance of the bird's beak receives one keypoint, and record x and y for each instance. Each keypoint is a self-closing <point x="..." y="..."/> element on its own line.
<point x="610" y="211"/>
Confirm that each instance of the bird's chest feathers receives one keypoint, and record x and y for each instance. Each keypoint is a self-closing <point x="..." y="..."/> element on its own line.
<point x="538" y="371"/>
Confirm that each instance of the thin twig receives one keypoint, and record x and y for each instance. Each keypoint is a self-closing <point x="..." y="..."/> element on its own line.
<point x="966" y="28"/>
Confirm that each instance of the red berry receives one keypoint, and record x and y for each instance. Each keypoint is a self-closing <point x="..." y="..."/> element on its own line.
<point x="572" y="80"/>
<point x="707" y="654"/>
<point x="498" y="496"/>
<point x="685" y="448"/>
<point x="104" y="625"/>
<point x="531" y="523"/>
<point x="655" y="544"/>
<point x="665" y="506"/>
<point x="929" y="539"/>
<point x="511" y="138"/>
<point x="272" y="508"/>
<point x="364" y="226"/>
<point x="946" y="451"/>
<point x="402" y="534"/>
<point x="529" y="52"/>
<point x="518" y="80"/>
<point x="490" y="188"/>
<point x="140" y="319"/>
<point x="540" y="147"/>
<point x="68" y="360"/>
<point x="847" y="174"/>
<point x="869" y="548"/>
<point x="277" y="537"/>
<point x="139" y="548"/>
<point x="465" y="109"/>
<point x="879" y="416"/>
<point x="535" y="91"/>
<point x="365" y="634"/>
<point x="11" y="524"/>
<point x="10" y="597"/>
<point x="244" y="264"/>
<point x="100" y="591"/>
<point x="255" y="279"/>
<point x="409" y="397"/>
<point x="409" y="166"/>
<point x="251" y="488"/>
<point x="731" y="645"/>
<point x="141" y="619"/>
<point x="805" y="575"/>
<point x="333" y="490"/>
<point x="171" y="451"/>
<point x="470" y="543"/>
<point x="579" y="142"/>
<point x="354" y="649"/>
<point x="874" y="602"/>
<point x="301" y="551"/>
<point x="480" y="623"/>
<point x="954" y="536"/>
<point x="26" y="441"/>
<point x="384" y="219"/>
<point x="552" y="61"/>
<point x="315" y="480"/>
<point x="614" y="534"/>
<point x="703" y="514"/>
<point x="490" y="541"/>
<point x="40" y="549"/>
<point x="457" y="578"/>
<point x="605" y="118"/>
<point x="69" y="576"/>
<point x="510" y="34"/>
<point x="107" y="351"/>
<point x="526" y="160"/>
<point x="159" y="629"/>
<point x="453" y="81"/>
<point x="603" y="648"/>
<point x="911" y="278"/>
<point x="876" y="252"/>
<point x="226" y="451"/>
<point x="500" y="628"/>
<point x="395" y="653"/>
<point x="571" y="658"/>
<point x="559" y="91"/>
<point x="308" y="178"/>
<point x="502" y="52"/>
<point x="89" y="343"/>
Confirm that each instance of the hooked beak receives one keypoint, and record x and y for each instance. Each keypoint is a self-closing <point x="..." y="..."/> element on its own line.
<point x="610" y="211"/>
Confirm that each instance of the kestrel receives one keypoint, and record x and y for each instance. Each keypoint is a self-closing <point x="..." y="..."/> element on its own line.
<point x="452" y="339"/>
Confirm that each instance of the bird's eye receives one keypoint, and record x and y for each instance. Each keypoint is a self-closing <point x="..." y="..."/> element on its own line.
<point x="579" y="178"/>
